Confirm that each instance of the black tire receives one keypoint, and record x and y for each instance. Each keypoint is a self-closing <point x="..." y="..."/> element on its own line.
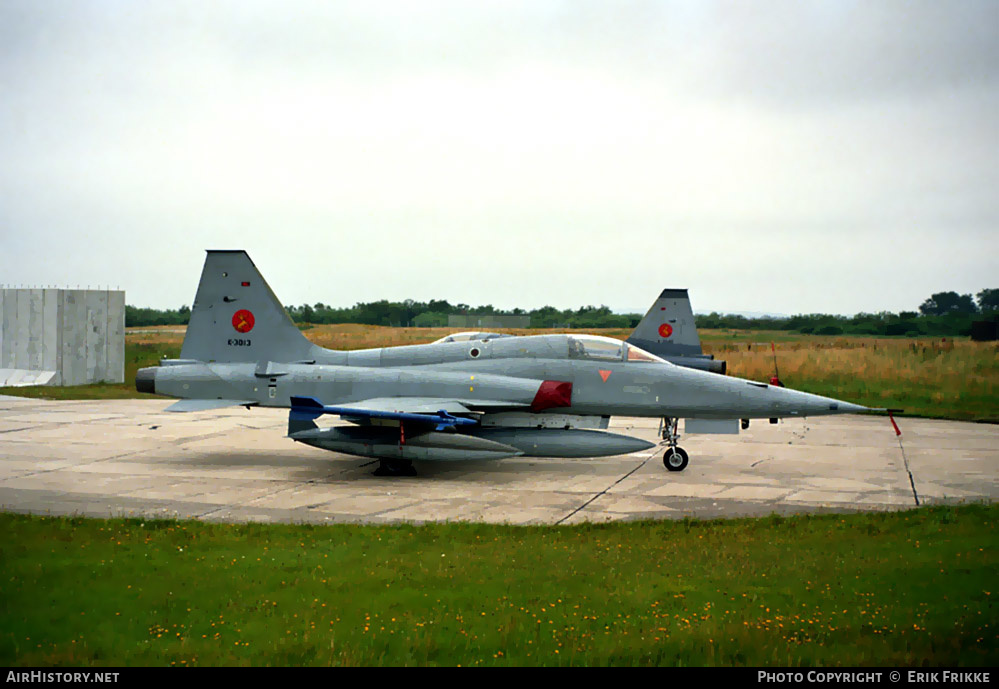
<point x="675" y="459"/>
<point x="395" y="467"/>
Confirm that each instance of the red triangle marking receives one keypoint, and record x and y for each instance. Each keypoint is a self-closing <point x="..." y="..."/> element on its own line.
<point x="605" y="375"/>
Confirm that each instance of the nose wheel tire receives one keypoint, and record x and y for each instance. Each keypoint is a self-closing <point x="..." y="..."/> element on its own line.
<point x="675" y="459"/>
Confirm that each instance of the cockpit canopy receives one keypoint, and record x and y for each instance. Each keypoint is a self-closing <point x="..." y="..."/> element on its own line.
<point x="593" y="347"/>
<point x="469" y="336"/>
<point x="608" y="349"/>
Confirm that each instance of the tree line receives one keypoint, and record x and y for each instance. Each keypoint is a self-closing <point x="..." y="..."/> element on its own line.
<point x="942" y="314"/>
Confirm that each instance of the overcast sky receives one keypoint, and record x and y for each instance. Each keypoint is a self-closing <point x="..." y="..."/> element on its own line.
<point x="771" y="156"/>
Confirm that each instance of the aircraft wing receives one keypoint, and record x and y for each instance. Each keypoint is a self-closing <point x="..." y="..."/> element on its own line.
<point x="415" y="405"/>
<point x="309" y="408"/>
<point x="432" y="405"/>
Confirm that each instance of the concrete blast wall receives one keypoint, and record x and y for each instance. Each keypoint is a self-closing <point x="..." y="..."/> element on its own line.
<point x="77" y="335"/>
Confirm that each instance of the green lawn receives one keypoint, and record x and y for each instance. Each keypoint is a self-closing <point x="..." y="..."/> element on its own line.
<point x="899" y="589"/>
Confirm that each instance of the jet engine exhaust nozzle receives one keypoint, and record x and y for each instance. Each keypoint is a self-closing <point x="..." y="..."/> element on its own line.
<point x="145" y="380"/>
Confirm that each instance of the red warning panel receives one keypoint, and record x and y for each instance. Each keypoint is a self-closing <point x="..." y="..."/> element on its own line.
<point x="665" y="330"/>
<point x="552" y="393"/>
<point x="242" y="321"/>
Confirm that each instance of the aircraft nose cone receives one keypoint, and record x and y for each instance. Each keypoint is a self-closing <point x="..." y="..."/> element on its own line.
<point x="848" y="408"/>
<point x="817" y="404"/>
<point x="789" y="402"/>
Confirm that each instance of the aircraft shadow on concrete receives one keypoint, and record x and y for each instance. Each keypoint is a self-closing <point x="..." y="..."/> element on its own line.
<point x="330" y="469"/>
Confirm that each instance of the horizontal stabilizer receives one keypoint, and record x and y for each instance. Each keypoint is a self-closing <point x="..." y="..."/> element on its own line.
<point x="308" y="408"/>
<point x="205" y="405"/>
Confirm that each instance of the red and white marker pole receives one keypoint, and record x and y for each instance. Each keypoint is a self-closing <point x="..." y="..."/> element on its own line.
<point x="775" y="380"/>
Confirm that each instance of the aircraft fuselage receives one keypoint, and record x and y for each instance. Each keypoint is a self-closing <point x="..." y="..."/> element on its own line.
<point x="510" y="369"/>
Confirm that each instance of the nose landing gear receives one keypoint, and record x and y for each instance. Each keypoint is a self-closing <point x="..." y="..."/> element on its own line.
<point x="675" y="458"/>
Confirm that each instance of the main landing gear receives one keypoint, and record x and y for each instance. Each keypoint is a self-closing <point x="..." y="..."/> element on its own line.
<point x="675" y="458"/>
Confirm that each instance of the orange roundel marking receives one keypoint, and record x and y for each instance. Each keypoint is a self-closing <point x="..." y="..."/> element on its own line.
<point x="243" y="321"/>
<point x="665" y="330"/>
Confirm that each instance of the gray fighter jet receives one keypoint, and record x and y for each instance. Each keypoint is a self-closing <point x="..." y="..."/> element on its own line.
<point x="669" y="332"/>
<point x="539" y="395"/>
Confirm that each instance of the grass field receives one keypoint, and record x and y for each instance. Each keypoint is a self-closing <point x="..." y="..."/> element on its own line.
<point x="927" y="377"/>
<point x="897" y="589"/>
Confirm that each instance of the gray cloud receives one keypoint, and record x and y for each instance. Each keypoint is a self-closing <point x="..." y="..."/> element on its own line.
<point x="578" y="152"/>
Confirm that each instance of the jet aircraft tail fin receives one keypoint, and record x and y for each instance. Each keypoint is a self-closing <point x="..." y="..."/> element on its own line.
<point x="237" y="318"/>
<point x="668" y="328"/>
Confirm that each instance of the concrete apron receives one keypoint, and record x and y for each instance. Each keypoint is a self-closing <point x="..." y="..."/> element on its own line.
<point x="130" y="458"/>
